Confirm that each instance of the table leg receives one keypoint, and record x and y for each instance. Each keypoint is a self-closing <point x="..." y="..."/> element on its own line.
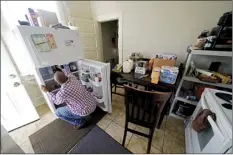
<point x="164" y="112"/>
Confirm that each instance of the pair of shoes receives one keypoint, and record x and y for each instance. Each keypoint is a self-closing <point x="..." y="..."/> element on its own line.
<point x="79" y="126"/>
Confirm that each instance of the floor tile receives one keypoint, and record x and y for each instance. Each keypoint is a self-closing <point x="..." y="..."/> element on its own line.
<point x="117" y="132"/>
<point x="21" y="135"/>
<point x="137" y="145"/>
<point x="104" y="122"/>
<point x="175" y="125"/>
<point x="42" y="109"/>
<point x="115" y="112"/>
<point x="174" y="141"/>
<point x="27" y="147"/>
<point x="158" y="137"/>
<point x="120" y="120"/>
<point x="119" y="90"/>
<point x="175" y="136"/>
<point x="164" y="122"/>
<point x="172" y="146"/>
<point x="118" y="104"/>
<point x="45" y="120"/>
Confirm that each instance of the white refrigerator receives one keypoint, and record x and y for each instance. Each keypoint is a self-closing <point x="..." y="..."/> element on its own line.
<point x="48" y="47"/>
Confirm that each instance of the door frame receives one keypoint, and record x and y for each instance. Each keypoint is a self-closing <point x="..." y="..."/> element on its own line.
<point x="110" y="17"/>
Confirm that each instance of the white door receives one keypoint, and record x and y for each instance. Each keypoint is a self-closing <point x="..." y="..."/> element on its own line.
<point x="16" y="106"/>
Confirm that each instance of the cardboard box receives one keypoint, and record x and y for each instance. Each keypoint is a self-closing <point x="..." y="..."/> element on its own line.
<point x="161" y="62"/>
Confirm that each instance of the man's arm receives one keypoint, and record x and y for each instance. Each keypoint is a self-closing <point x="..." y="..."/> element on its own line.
<point x="58" y="98"/>
<point x="67" y="72"/>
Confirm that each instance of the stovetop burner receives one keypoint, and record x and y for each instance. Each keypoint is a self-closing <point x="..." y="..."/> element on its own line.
<point x="227" y="105"/>
<point x="225" y="97"/>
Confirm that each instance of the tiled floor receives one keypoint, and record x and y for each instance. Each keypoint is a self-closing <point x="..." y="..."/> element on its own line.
<point x="21" y="135"/>
<point x="169" y="139"/>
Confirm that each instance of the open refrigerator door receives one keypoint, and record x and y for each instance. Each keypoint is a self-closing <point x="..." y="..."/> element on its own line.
<point x="93" y="76"/>
<point x="96" y="77"/>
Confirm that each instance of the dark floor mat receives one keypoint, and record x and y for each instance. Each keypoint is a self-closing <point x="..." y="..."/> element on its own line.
<point x="61" y="137"/>
<point x="98" y="141"/>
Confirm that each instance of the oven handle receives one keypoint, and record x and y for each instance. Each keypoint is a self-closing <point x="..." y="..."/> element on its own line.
<point x="203" y="103"/>
<point x="211" y="121"/>
<point x="215" y="128"/>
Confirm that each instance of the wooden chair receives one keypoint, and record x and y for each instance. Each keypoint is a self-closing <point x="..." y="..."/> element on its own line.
<point x="143" y="108"/>
<point x="117" y="82"/>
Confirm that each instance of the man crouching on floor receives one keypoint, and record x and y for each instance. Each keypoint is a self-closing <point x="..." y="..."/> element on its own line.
<point x="79" y="102"/>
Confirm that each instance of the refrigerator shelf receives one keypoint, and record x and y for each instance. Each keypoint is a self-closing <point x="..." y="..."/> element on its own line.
<point x="99" y="100"/>
<point x="56" y="90"/>
<point x="75" y="72"/>
<point x="97" y="84"/>
<point x="50" y="79"/>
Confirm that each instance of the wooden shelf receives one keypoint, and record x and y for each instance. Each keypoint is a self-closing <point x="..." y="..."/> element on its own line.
<point x="194" y="79"/>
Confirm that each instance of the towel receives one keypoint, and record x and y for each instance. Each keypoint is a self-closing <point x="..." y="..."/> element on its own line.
<point x="200" y="123"/>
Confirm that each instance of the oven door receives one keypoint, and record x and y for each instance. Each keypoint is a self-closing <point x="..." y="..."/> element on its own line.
<point x="211" y="140"/>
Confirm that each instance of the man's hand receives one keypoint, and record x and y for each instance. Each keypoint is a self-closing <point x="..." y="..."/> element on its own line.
<point x="58" y="68"/>
<point x="44" y="88"/>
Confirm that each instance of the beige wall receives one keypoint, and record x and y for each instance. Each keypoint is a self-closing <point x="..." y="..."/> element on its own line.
<point x="80" y="15"/>
<point x="154" y="26"/>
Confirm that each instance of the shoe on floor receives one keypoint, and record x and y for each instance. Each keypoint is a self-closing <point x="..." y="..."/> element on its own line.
<point x="80" y="126"/>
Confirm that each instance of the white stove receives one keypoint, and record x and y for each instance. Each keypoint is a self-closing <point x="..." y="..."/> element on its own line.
<point x="222" y="109"/>
<point x="217" y="138"/>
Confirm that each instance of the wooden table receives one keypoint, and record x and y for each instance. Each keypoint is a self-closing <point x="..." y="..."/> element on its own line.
<point x="146" y="82"/>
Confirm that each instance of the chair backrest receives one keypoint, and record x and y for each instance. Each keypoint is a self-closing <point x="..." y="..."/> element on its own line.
<point x="144" y="107"/>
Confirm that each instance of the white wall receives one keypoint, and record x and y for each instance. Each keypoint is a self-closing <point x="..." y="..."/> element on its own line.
<point x="152" y="27"/>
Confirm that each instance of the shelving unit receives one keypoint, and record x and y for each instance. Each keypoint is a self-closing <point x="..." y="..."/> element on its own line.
<point x="186" y="101"/>
<point x="196" y="80"/>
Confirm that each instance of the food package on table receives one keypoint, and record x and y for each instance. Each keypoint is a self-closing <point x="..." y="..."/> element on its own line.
<point x="168" y="74"/>
<point x="155" y="75"/>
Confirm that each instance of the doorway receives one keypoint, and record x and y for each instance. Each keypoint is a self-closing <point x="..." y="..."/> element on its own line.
<point x="109" y="34"/>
